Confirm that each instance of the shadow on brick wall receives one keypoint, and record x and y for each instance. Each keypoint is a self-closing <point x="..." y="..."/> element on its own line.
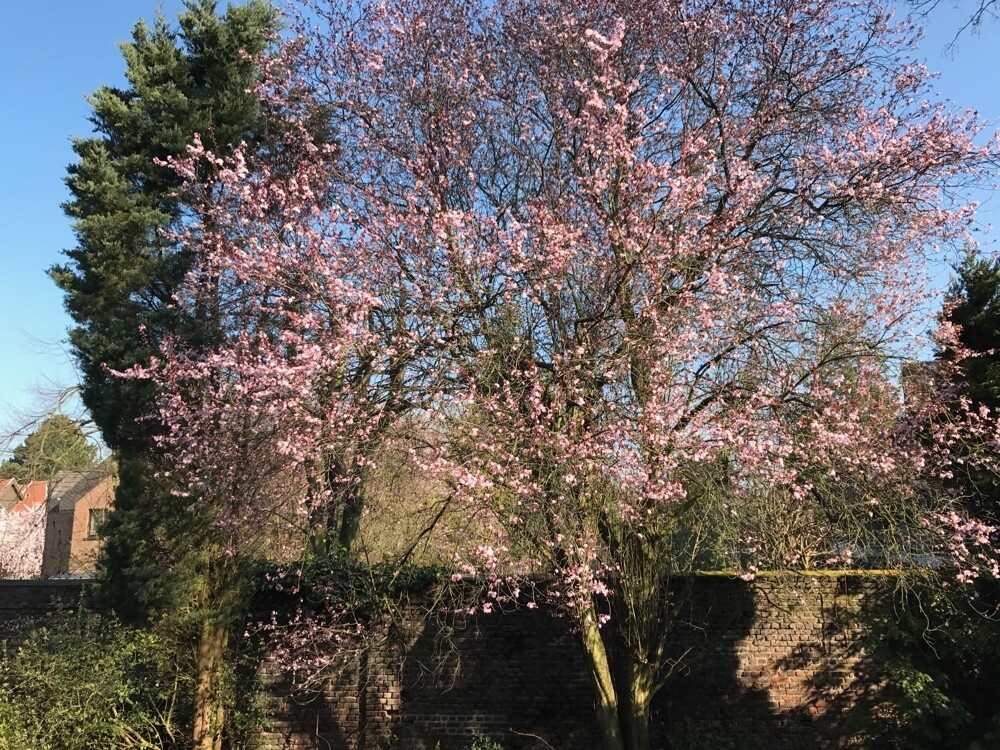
<point x="789" y="674"/>
<point x="707" y="702"/>
<point x="517" y="677"/>
<point x="351" y="711"/>
<point x="775" y="664"/>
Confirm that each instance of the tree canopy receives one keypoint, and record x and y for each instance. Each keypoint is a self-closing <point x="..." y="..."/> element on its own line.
<point x="122" y="275"/>
<point x="58" y="444"/>
<point x="973" y="307"/>
<point x="614" y="264"/>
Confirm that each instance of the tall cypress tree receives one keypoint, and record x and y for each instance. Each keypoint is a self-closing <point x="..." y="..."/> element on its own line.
<point x="121" y="277"/>
<point x="125" y="269"/>
<point x="119" y="283"/>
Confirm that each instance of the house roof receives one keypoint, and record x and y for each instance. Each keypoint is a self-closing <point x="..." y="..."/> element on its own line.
<point x="69" y="487"/>
<point x="9" y="496"/>
<point x="37" y="491"/>
<point x="16" y="497"/>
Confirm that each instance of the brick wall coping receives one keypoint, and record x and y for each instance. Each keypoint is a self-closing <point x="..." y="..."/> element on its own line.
<point x="46" y="583"/>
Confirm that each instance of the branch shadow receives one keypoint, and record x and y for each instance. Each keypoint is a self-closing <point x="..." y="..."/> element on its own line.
<point x="788" y="670"/>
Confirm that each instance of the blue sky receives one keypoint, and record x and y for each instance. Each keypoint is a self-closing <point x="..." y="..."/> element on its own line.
<point x="55" y="52"/>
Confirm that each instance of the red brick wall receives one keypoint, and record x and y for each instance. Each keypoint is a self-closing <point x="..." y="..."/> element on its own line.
<point x="775" y="664"/>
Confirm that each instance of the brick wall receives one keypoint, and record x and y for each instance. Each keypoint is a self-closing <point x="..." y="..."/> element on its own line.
<point x="787" y="669"/>
<point x="36" y="599"/>
<point x="776" y="663"/>
<point x="773" y="664"/>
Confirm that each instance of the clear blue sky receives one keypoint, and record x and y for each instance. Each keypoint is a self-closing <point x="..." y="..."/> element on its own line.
<point x="54" y="52"/>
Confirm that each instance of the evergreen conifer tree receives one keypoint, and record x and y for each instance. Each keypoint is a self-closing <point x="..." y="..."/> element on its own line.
<point x="119" y="284"/>
<point x="57" y="444"/>
<point x="975" y="308"/>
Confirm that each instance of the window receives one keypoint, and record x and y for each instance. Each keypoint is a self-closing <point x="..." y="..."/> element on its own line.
<point x="97" y="518"/>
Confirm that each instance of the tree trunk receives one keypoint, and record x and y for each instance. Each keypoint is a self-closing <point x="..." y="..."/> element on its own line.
<point x="635" y="699"/>
<point x="343" y="519"/>
<point x="209" y="712"/>
<point x="605" y="696"/>
<point x="623" y="688"/>
<point x="350" y="522"/>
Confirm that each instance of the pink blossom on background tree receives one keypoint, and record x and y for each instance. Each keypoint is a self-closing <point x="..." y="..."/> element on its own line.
<point x="241" y="491"/>
<point x="637" y="262"/>
<point x="314" y="333"/>
<point x="22" y="537"/>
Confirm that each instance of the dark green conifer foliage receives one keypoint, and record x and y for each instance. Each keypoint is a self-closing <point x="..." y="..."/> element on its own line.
<point x="120" y="279"/>
<point x="975" y="306"/>
<point x="940" y="642"/>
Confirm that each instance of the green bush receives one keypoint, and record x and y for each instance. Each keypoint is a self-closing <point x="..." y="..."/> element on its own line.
<point x="80" y="681"/>
<point x="481" y="741"/>
<point x="941" y="656"/>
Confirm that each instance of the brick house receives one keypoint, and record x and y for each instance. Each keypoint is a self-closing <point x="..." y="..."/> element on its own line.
<point x="78" y="504"/>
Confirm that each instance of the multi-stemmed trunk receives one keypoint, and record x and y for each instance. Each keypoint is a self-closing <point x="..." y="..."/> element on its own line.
<point x="602" y="680"/>
<point x="636" y="690"/>
<point x="623" y="692"/>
